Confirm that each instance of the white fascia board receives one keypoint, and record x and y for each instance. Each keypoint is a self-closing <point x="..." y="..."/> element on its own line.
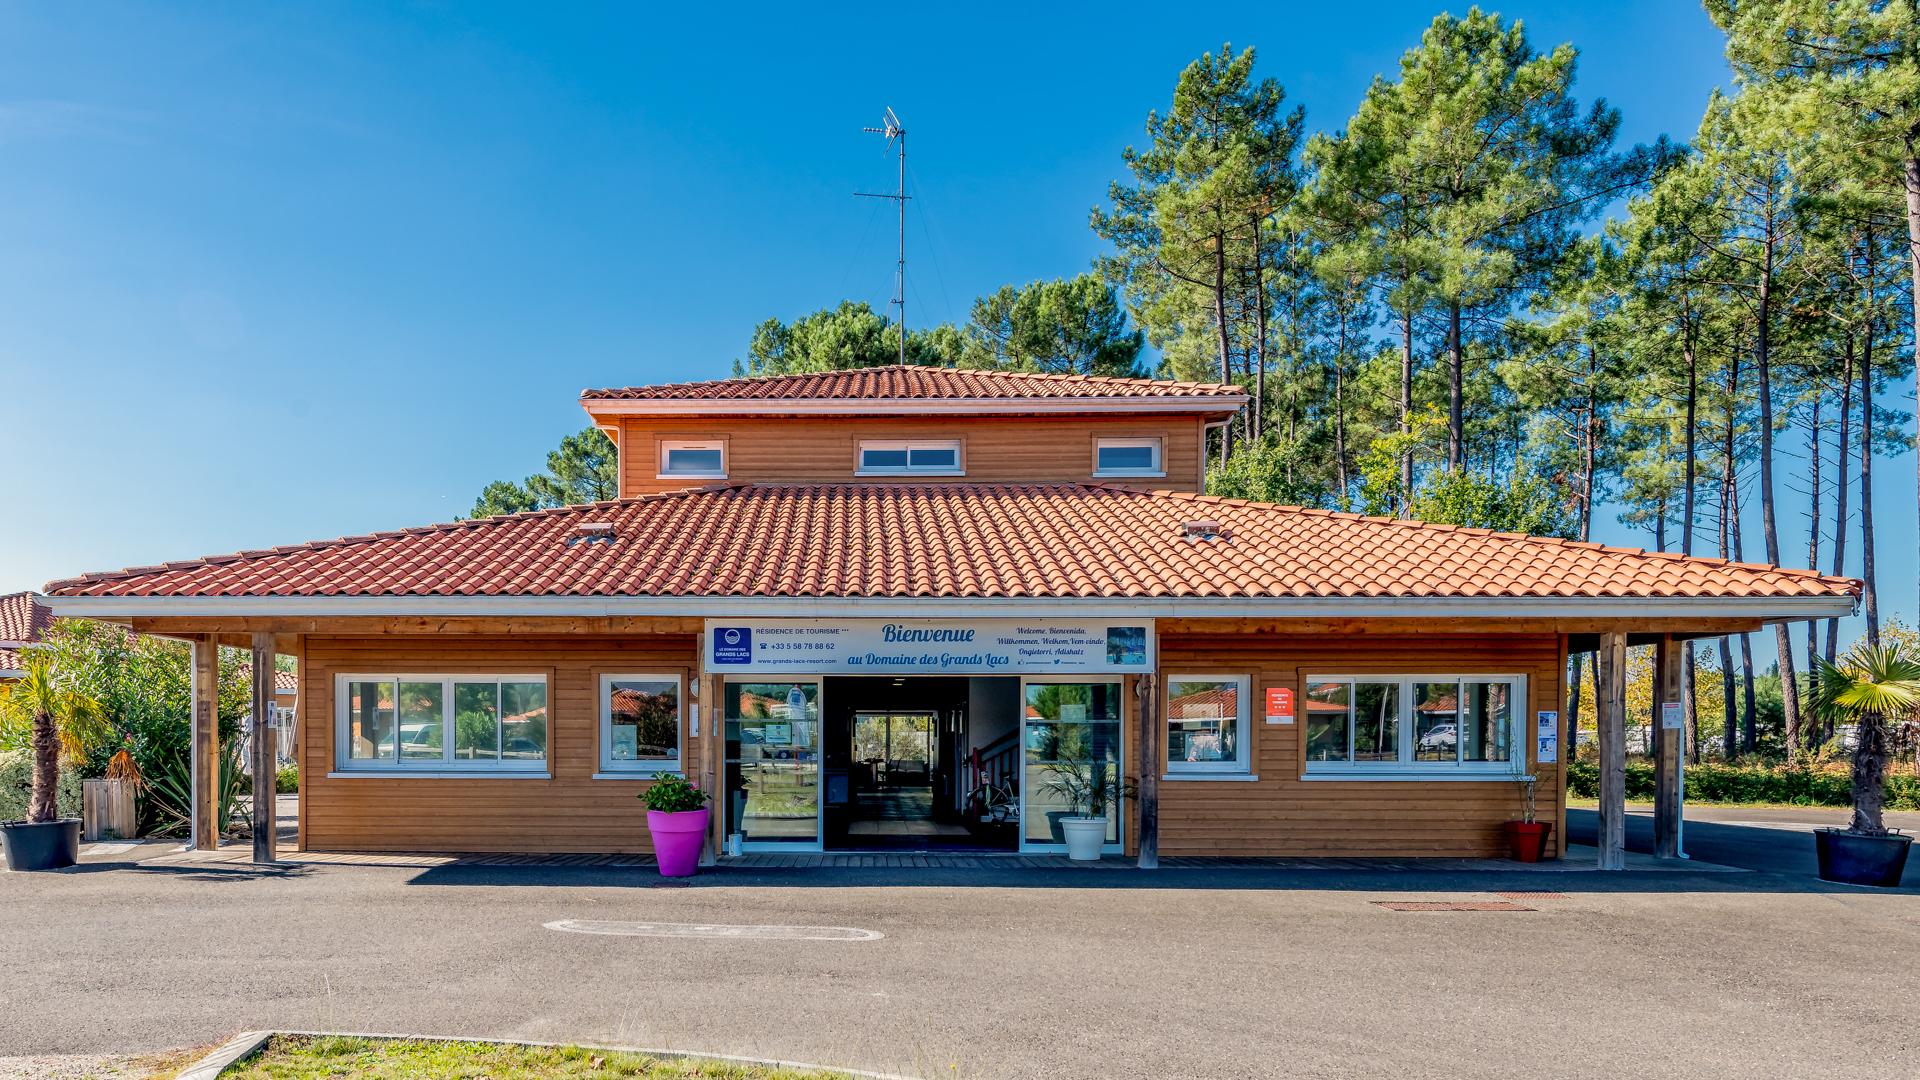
<point x="904" y="406"/>
<point x="1410" y="607"/>
<point x="12" y="673"/>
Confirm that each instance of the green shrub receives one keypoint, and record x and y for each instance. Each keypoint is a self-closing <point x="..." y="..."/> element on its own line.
<point x="670" y="793"/>
<point x="16" y="787"/>
<point x="1712" y="783"/>
<point x="287" y="780"/>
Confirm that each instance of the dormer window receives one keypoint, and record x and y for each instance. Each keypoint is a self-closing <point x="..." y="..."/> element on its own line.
<point x="1128" y="457"/>
<point x="910" y="457"/>
<point x="693" y="459"/>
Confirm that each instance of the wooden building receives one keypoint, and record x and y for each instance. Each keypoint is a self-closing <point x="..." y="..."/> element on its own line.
<point x="905" y="607"/>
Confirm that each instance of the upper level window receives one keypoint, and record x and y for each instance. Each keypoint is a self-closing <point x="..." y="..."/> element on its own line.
<point x="691" y="459"/>
<point x="902" y="457"/>
<point x="1207" y="724"/>
<point x="639" y="723"/>
<point x="1414" y="726"/>
<point x="459" y="722"/>
<point x="1127" y="457"/>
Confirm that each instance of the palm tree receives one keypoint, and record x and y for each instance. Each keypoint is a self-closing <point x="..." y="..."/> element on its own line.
<point x="61" y="722"/>
<point x="1869" y="686"/>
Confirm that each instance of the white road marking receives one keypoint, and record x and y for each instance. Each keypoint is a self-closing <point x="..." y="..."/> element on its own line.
<point x="618" y="928"/>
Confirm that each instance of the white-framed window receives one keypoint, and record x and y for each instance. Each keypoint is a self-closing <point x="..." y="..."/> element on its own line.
<point x="1128" y="457"/>
<point x="693" y="459"/>
<point x="1208" y="725"/>
<point x="404" y="723"/>
<point x="910" y="457"/>
<point x="640" y="723"/>
<point x="1415" y="726"/>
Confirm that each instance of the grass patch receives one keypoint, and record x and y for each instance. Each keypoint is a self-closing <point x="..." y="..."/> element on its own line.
<point x="310" y="1057"/>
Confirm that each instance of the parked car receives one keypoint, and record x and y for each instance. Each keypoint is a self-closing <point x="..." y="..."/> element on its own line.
<point x="1440" y="737"/>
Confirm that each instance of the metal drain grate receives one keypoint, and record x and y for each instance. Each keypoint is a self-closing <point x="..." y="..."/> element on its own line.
<point x="1449" y="905"/>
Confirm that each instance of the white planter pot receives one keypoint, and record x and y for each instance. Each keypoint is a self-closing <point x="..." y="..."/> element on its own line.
<point x="1085" y="837"/>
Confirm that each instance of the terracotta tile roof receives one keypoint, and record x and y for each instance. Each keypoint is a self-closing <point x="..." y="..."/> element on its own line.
<point x="913" y="382"/>
<point x="21" y="619"/>
<point x="950" y="540"/>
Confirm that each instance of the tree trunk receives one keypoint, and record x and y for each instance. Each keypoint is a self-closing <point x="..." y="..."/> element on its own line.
<point x="1224" y="338"/>
<point x="46" y="771"/>
<point x="1870" y="593"/>
<point x="1810" y="737"/>
<point x="1690" y="671"/>
<point x="1763" y="363"/>
<point x="1912" y="170"/>
<point x="1340" y="418"/>
<point x="1456" y="392"/>
<point x="1260" y="335"/>
<point x="1730" y="733"/>
<point x="1841" y="486"/>
<point x="1869" y="774"/>
<point x="1406" y="410"/>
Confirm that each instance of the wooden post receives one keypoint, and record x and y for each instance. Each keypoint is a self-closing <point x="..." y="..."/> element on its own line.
<point x="204" y="756"/>
<point x="1149" y="794"/>
<point x="1668" y="733"/>
<point x="1610" y="708"/>
<point x="714" y="727"/>
<point x="265" y="763"/>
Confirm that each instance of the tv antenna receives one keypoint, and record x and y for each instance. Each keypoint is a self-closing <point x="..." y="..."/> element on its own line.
<point x="896" y="133"/>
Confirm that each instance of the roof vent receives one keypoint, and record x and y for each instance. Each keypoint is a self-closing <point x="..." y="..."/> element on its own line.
<point x="588" y="532"/>
<point x="1204" y="529"/>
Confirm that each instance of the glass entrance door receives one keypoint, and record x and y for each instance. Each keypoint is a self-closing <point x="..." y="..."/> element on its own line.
<point x="773" y="764"/>
<point x="1070" y="758"/>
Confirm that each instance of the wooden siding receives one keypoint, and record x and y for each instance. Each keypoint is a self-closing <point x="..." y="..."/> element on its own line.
<point x="570" y="812"/>
<point x="1281" y="814"/>
<point x="994" y="449"/>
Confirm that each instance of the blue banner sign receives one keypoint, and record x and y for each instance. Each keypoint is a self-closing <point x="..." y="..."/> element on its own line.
<point x="929" y="646"/>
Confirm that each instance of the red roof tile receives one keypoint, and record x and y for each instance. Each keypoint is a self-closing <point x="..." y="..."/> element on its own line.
<point x="951" y="540"/>
<point x="899" y="382"/>
<point x="21" y="619"/>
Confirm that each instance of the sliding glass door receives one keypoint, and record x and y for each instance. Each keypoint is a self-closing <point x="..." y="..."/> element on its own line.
<point x="773" y="764"/>
<point x="1070" y="750"/>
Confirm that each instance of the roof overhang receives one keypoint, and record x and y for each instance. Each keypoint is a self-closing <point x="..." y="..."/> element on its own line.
<point x="948" y="406"/>
<point x="1625" y="608"/>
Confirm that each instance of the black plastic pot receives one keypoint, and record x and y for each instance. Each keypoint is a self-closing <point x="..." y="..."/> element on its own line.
<point x="49" y="845"/>
<point x="1853" y="859"/>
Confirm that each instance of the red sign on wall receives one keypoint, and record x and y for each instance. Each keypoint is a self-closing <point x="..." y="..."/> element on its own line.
<point x="1279" y="704"/>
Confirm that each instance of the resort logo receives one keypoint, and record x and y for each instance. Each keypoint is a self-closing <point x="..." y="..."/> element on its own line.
<point x="895" y="634"/>
<point x="732" y="645"/>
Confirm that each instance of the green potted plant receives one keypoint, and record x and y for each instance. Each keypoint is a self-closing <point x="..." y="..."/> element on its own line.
<point x="1870" y="686"/>
<point x="1090" y="790"/>
<point x="60" y="722"/>
<point x="1527" y="837"/>
<point x="677" y="820"/>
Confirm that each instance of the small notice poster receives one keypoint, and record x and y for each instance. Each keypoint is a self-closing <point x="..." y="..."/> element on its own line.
<point x="1670" y="716"/>
<point x="1279" y="704"/>
<point x="1546" y="749"/>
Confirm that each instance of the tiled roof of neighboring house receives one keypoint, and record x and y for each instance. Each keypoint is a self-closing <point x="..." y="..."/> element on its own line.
<point x="899" y="382"/>
<point x="950" y="540"/>
<point x="22" y="621"/>
<point x="284" y="682"/>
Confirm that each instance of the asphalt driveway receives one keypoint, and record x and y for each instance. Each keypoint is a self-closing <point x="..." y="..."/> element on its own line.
<point x="1774" y="839"/>
<point x="990" y="974"/>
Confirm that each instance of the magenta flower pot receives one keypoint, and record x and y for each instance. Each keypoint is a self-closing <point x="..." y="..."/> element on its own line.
<point x="676" y="840"/>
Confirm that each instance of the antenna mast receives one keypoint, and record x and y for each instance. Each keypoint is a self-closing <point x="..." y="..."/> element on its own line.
<point x="895" y="132"/>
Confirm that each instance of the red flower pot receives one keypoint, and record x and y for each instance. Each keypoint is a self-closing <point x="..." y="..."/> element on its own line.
<point x="1527" y="840"/>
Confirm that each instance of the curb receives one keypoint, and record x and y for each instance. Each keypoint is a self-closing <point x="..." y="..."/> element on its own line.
<point x="248" y="1043"/>
<point x="242" y="1045"/>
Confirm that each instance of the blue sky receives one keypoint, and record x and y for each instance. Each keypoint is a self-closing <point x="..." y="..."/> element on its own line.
<point x="277" y="273"/>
